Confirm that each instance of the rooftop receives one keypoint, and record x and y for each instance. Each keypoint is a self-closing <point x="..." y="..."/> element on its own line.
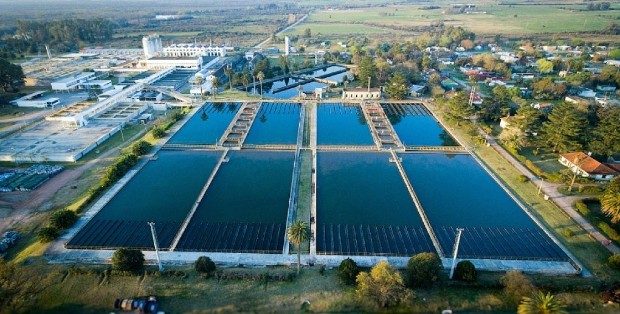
<point x="587" y="163"/>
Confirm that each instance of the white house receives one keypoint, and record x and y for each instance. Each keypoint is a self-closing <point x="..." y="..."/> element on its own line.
<point x="587" y="167"/>
<point x="361" y="93"/>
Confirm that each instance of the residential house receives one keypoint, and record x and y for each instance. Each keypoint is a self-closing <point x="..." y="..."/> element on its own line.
<point x="584" y="165"/>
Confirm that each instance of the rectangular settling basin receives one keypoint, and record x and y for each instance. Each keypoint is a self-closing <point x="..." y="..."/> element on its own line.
<point x="207" y="125"/>
<point x="364" y="208"/>
<point x="415" y="125"/>
<point x="276" y="123"/>
<point x="245" y="208"/>
<point x="342" y="124"/>
<point x="163" y="191"/>
<point x="456" y="192"/>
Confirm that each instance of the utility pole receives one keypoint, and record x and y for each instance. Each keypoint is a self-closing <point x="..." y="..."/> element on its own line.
<point x="155" y="244"/>
<point x="540" y="184"/>
<point x="369" y="84"/>
<point x="577" y="164"/>
<point x="459" y="231"/>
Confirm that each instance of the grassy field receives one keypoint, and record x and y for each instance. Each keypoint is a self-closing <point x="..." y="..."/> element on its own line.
<point x="62" y="289"/>
<point x="516" y="20"/>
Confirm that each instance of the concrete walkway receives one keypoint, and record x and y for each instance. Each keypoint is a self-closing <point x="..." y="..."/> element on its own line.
<point x="551" y="190"/>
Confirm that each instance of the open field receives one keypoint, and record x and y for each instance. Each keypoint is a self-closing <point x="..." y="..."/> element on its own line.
<point x="180" y="290"/>
<point x="515" y="20"/>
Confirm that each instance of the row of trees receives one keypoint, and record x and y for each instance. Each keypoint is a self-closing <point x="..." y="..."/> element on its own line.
<point x="11" y="76"/>
<point x="63" y="35"/>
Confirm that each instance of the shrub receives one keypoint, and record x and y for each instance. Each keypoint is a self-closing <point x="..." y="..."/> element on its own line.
<point x="608" y="231"/>
<point x="140" y="148"/>
<point x="567" y="233"/>
<point x="158" y="132"/>
<point x="423" y="270"/>
<point x="128" y="260"/>
<point x="348" y="271"/>
<point x="48" y="234"/>
<point x="204" y="265"/>
<point x="614" y="261"/>
<point x="516" y="286"/>
<point x="582" y="208"/>
<point x="523" y="178"/>
<point x="63" y="219"/>
<point x="383" y="286"/>
<point x="465" y="271"/>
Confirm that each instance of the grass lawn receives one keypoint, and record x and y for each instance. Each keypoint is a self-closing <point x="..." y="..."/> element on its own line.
<point x="305" y="186"/>
<point x="63" y="288"/>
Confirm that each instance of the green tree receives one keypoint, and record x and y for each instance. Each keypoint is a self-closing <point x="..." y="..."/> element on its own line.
<point x="63" y="219"/>
<point x="128" y="260"/>
<point x="516" y="286"/>
<point x="465" y="271"/>
<point x="48" y="234"/>
<point x="528" y="120"/>
<point x="423" y="270"/>
<point x="204" y="265"/>
<point x="348" y="271"/>
<point x="397" y="86"/>
<point x="614" y="54"/>
<point x="458" y="108"/>
<point x="565" y="128"/>
<point x="215" y="84"/>
<point x="541" y="303"/>
<point x="260" y="76"/>
<point x="383" y="285"/>
<point x="228" y="71"/>
<point x="606" y="135"/>
<point x="544" y="66"/>
<point x="610" y="202"/>
<point x="307" y="32"/>
<point x="365" y="70"/>
<point x="298" y="233"/>
<point x="11" y="76"/>
<point x="546" y="88"/>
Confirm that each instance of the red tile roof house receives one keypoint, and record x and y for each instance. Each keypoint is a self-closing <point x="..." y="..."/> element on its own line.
<point x="588" y="167"/>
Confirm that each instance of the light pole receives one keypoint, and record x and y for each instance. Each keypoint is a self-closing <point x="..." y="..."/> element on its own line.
<point x="457" y="243"/>
<point x="540" y="184"/>
<point x="156" y="245"/>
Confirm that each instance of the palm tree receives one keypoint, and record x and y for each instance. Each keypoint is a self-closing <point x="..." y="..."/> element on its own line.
<point x="541" y="303"/>
<point x="199" y="80"/>
<point x="229" y="74"/>
<point x="298" y="233"/>
<point x="610" y="202"/>
<point x="260" y="76"/>
<point x="215" y="84"/>
<point x="245" y="79"/>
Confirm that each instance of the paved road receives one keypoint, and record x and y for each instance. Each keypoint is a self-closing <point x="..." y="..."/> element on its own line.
<point x="551" y="189"/>
<point x="303" y="18"/>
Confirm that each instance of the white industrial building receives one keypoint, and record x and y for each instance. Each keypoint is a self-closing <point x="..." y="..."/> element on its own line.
<point x="36" y="100"/>
<point x="194" y="50"/>
<point x="151" y="45"/>
<point x="287" y="46"/>
<point x="161" y="63"/>
<point x="72" y="81"/>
